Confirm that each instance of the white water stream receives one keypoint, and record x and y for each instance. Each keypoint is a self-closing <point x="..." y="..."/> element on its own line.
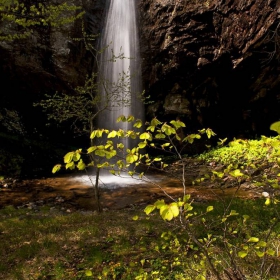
<point x="120" y="68"/>
<point x="119" y="77"/>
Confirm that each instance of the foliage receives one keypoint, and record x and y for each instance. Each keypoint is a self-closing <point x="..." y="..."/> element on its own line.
<point x="221" y="245"/>
<point x="157" y="135"/>
<point x="257" y="161"/>
<point x="275" y="127"/>
<point x="79" y="109"/>
<point x="23" y="17"/>
<point x="82" y="245"/>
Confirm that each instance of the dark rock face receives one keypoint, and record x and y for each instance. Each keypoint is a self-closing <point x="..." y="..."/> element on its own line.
<point x="212" y="63"/>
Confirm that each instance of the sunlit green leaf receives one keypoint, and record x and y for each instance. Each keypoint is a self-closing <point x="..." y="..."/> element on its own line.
<point x="131" y="158"/>
<point x="130" y="118"/>
<point x="56" y="168"/>
<point x="91" y="149"/>
<point x="209" y="209"/>
<point x="253" y="239"/>
<point x="81" y="165"/>
<point x="142" y="145"/>
<point x="167" y="129"/>
<point x="76" y="156"/>
<point x="159" y="203"/>
<point x="177" y="124"/>
<point x="120" y="146"/>
<point x="275" y="127"/>
<point x="112" y="134"/>
<point x="121" y="118"/>
<point x="236" y="173"/>
<point x="270" y="252"/>
<point x="155" y="122"/>
<point x="160" y="136"/>
<point x="173" y="207"/>
<point x="149" y="209"/>
<point x="138" y="124"/>
<point x="262" y="244"/>
<point x="267" y="201"/>
<point x="233" y="213"/>
<point x="260" y="254"/>
<point x="70" y="165"/>
<point x="88" y="273"/>
<point x="68" y="157"/>
<point x="242" y="254"/>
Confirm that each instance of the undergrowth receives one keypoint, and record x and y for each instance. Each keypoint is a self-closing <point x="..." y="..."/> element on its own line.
<point x="123" y="244"/>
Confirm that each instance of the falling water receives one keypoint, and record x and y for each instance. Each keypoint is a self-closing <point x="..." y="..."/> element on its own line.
<point x="120" y="69"/>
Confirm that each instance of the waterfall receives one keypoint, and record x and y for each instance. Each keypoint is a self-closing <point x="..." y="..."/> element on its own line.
<point x="119" y="66"/>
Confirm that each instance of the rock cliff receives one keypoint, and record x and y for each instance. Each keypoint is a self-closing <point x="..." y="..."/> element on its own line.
<point x="212" y="62"/>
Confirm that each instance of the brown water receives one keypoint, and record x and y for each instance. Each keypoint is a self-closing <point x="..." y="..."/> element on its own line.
<point x="116" y="193"/>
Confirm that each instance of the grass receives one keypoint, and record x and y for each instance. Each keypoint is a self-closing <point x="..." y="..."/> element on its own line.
<point x="116" y="245"/>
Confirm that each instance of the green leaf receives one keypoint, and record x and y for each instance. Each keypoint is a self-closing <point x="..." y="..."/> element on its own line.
<point x="275" y="127"/>
<point x="70" y="165"/>
<point x="236" y="173"/>
<point x="233" y="213"/>
<point x="91" y="149"/>
<point x="155" y="122"/>
<point x="138" y="124"/>
<point x="167" y="129"/>
<point x="260" y="254"/>
<point x="186" y="197"/>
<point x="88" y="273"/>
<point x="135" y="218"/>
<point x="177" y="124"/>
<point x="112" y="134"/>
<point x="131" y="158"/>
<point x="262" y="244"/>
<point x="210" y="133"/>
<point x="159" y="203"/>
<point x="160" y="136"/>
<point x="253" y="239"/>
<point x="130" y="119"/>
<point x="76" y="155"/>
<point x="113" y="172"/>
<point x="267" y="202"/>
<point x="121" y="118"/>
<point x="56" y="168"/>
<point x="270" y="252"/>
<point x="120" y="146"/>
<point x="166" y="214"/>
<point x="81" y="165"/>
<point x="242" y="254"/>
<point x="142" y="145"/>
<point x="110" y="154"/>
<point x="209" y="209"/>
<point x="68" y="157"/>
<point x="173" y="207"/>
<point x="145" y="136"/>
<point x="149" y="209"/>
<point x="100" y="153"/>
<point x="218" y="174"/>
